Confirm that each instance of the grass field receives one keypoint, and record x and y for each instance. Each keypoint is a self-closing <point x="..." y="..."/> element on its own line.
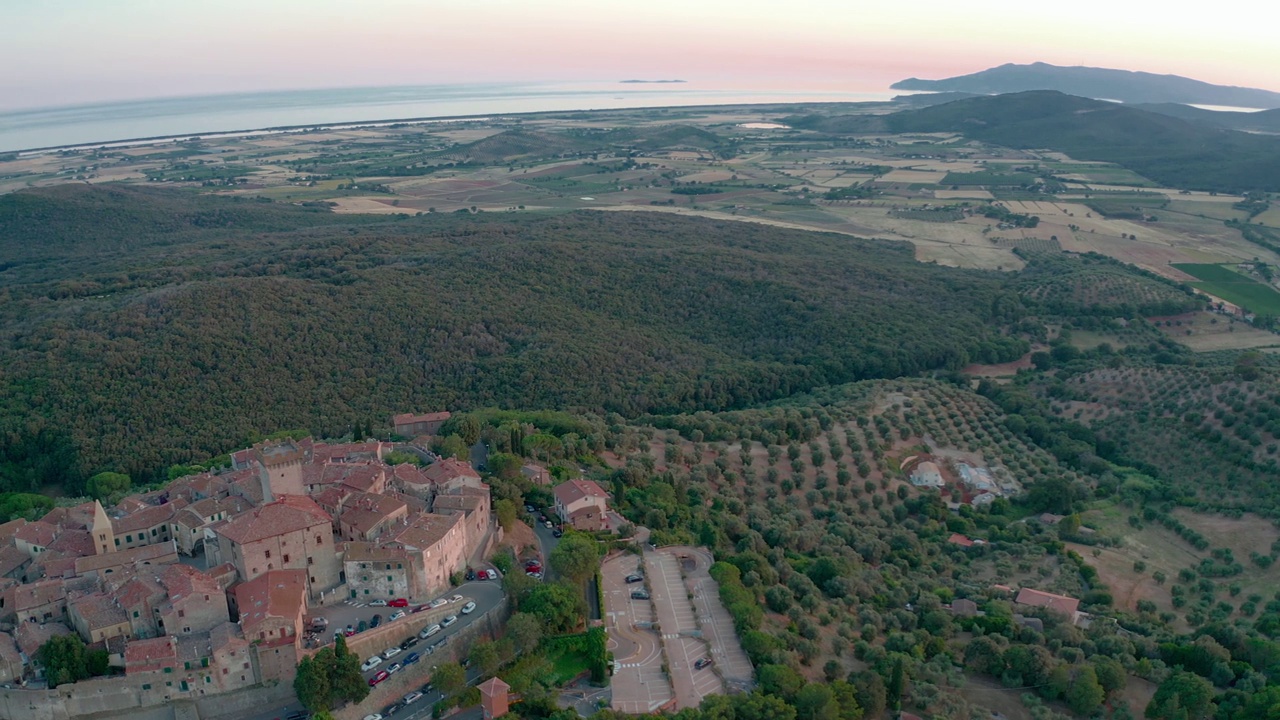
<point x="1233" y="287"/>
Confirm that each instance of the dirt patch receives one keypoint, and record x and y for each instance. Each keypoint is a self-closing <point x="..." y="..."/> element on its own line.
<point x="519" y="537"/>
<point x="1001" y="370"/>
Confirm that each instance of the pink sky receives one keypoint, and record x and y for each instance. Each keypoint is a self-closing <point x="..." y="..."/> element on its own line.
<point x="75" y="51"/>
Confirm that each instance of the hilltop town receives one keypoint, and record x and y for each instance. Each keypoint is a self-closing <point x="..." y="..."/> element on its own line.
<point x="205" y="586"/>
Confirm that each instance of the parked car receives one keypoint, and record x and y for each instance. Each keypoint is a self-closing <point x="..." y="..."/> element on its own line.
<point x="702" y="662"/>
<point x="373" y="716"/>
<point x="492" y="574"/>
<point x="349" y="631"/>
<point x="535" y="575"/>
<point x="376" y="620"/>
<point x="412" y="658"/>
<point x="426" y="688"/>
<point x="439" y="644"/>
<point x="548" y="524"/>
<point x="557" y="533"/>
<point x="471" y="575"/>
<point x="395" y="668"/>
<point x="639" y="595"/>
<point x="382" y="675"/>
<point x="528" y="508"/>
<point x="633" y="578"/>
<point x="412" y="697"/>
<point x="378" y="603"/>
<point x="362" y="625"/>
<point x="468" y="608"/>
<point x="456" y="599"/>
<point x="396" y="616"/>
<point x="391" y="652"/>
<point x="399" y="602"/>
<point x="438" y="603"/>
<point x="431" y="630"/>
<point x="392" y="709"/>
<point x="448" y="621"/>
<point x="371" y="663"/>
<point x="319" y="624"/>
<point x="420" y="608"/>
<point x="298" y="715"/>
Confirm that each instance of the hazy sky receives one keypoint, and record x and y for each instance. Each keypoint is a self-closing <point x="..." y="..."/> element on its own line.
<point x="57" y="52"/>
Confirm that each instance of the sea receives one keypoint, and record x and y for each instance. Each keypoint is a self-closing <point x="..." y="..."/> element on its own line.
<point x="120" y="122"/>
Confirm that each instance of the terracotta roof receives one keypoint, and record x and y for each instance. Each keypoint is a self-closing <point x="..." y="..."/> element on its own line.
<point x="143" y="519"/>
<point x="74" y="543"/>
<point x="373" y="552"/>
<point x="410" y="473"/>
<point x="37" y="533"/>
<point x="413" y="502"/>
<point x="8" y="529"/>
<point x="99" y="611"/>
<point x="276" y="452"/>
<point x="347" y="452"/>
<point x="11" y="558"/>
<point x="467" y="504"/>
<point x="226" y="636"/>
<point x="364" y="511"/>
<point x="151" y="655"/>
<point x="225" y="574"/>
<point x="38" y="594"/>
<point x="331" y="498"/>
<point x="140" y="591"/>
<point x="31" y="636"/>
<point x="448" y="469"/>
<point x="184" y="581"/>
<point x="274" y="594"/>
<point x="1061" y="603"/>
<point x="144" y="554"/>
<point x="410" y="418"/>
<point x="961" y="540"/>
<point x="288" y="514"/>
<point x="77" y="516"/>
<point x="248" y="484"/>
<point x="58" y="567"/>
<point x="426" y="530"/>
<point x="9" y="654"/>
<point x="493" y="686"/>
<point x="575" y="490"/>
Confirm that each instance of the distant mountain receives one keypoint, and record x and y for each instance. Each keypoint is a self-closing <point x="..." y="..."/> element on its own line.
<point x="1266" y="121"/>
<point x="1103" y="83"/>
<point x="927" y="99"/>
<point x="1168" y="150"/>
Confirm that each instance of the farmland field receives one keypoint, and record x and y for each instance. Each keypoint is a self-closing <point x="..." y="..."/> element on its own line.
<point x="1233" y="287"/>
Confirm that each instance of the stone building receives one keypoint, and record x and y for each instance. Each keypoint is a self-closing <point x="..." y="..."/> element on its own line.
<point x="292" y="533"/>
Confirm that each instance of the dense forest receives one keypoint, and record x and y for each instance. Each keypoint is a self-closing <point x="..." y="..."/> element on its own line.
<point x="145" y="328"/>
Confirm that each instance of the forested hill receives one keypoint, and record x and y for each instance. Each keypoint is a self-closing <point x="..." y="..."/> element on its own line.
<point x="1122" y="85"/>
<point x="205" y="334"/>
<point x="1166" y="149"/>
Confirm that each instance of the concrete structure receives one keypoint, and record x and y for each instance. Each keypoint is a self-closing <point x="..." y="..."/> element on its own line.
<point x="494" y="700"/>
<point x="188" y="524"/>
<point x="411" y="426"/>
<point x="439" y="547"/>
<point x="292" y="533"/>
<point x="374" y="572"/>
<point x="582" y="504"/>
<point x="279" y="468"/>
<point x="536" y="474"/>
<point x="366" y="516"/>
<point x="98" y="617"/>
<point x="11" y="664"/>
<point x="926" y="474"/>
<point x="194" y="602"/>
<point x="103" y="565"/>
<point x="34" y="538"/>
<point x="40" y="602"/>
<point x="964" y="607"/>
<point x="472" y="504"/>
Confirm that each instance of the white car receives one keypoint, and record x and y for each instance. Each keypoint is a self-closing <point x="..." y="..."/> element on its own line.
<point x="396" y="615"/>
<point x="371" y="663"/>
<point x="456" y="599"/>
<point x="412" y="697"/>
<point x="448" y="621"/>
<point x="375" y="716"/>
<point x="430" y="631"/>
<point x="468" y="608"/>
<point x="391" y="652"/>
<point x="395" y="668"/>
<point x="377" y="603"/>
<point x="438" y="603"/>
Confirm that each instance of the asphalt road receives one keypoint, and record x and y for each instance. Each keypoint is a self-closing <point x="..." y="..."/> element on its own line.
<point x="486" y="596"/>
<point x="547" y="542"/>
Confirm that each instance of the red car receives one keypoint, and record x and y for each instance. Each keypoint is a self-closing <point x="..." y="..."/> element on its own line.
<point x="420" y="608"/>
<point x="382" y="675"/>
<point x="398" y="602"/>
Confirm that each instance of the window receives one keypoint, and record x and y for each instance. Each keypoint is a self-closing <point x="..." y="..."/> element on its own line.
<point x="187" y="665"/>
<point x="366" y="591"/>
<point x="128" y="538"/>
<point x="286" y="557"/>
<point x="313" y="578"/>
<point x="268" y="553"/>
<point x="255" y="571"/>
<point x="186" y="630"/>
<point x="246" y="667"/>
<point x="388" y="566"/>
<point x="204" y="662"/>
<point x="182" y="613"/>
<point x="319" y="541"/>
<point x="389" y="578"/>
<point x="261" y="636"/>
<point x="399" y="566"/>
<point x="135" y="613"/>
<point x="146" y="686"/>
<point x="153" y="532"/>
<point x="311" y="560"/>
<point x="207" y="679"/>
<point x="168" y="670"/>
<point x="117" y="542"/>
<point x="224" y="671"/>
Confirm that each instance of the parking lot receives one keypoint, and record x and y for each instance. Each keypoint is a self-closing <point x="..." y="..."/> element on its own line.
<point x="639" y="685"/>
<point x="681" y="636"/>
<point x="730" y="659"/>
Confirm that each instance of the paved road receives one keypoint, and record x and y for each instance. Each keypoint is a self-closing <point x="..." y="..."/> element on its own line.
<point x="639" y="685"/>
<point x="547" y="542"/>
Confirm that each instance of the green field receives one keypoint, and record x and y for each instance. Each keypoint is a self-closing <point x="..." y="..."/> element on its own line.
<point x="1234" y="287"/>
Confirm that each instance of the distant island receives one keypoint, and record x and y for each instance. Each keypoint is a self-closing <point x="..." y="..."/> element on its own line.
<point x="1100" y="83"/>
<point x="652" y="82"/>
